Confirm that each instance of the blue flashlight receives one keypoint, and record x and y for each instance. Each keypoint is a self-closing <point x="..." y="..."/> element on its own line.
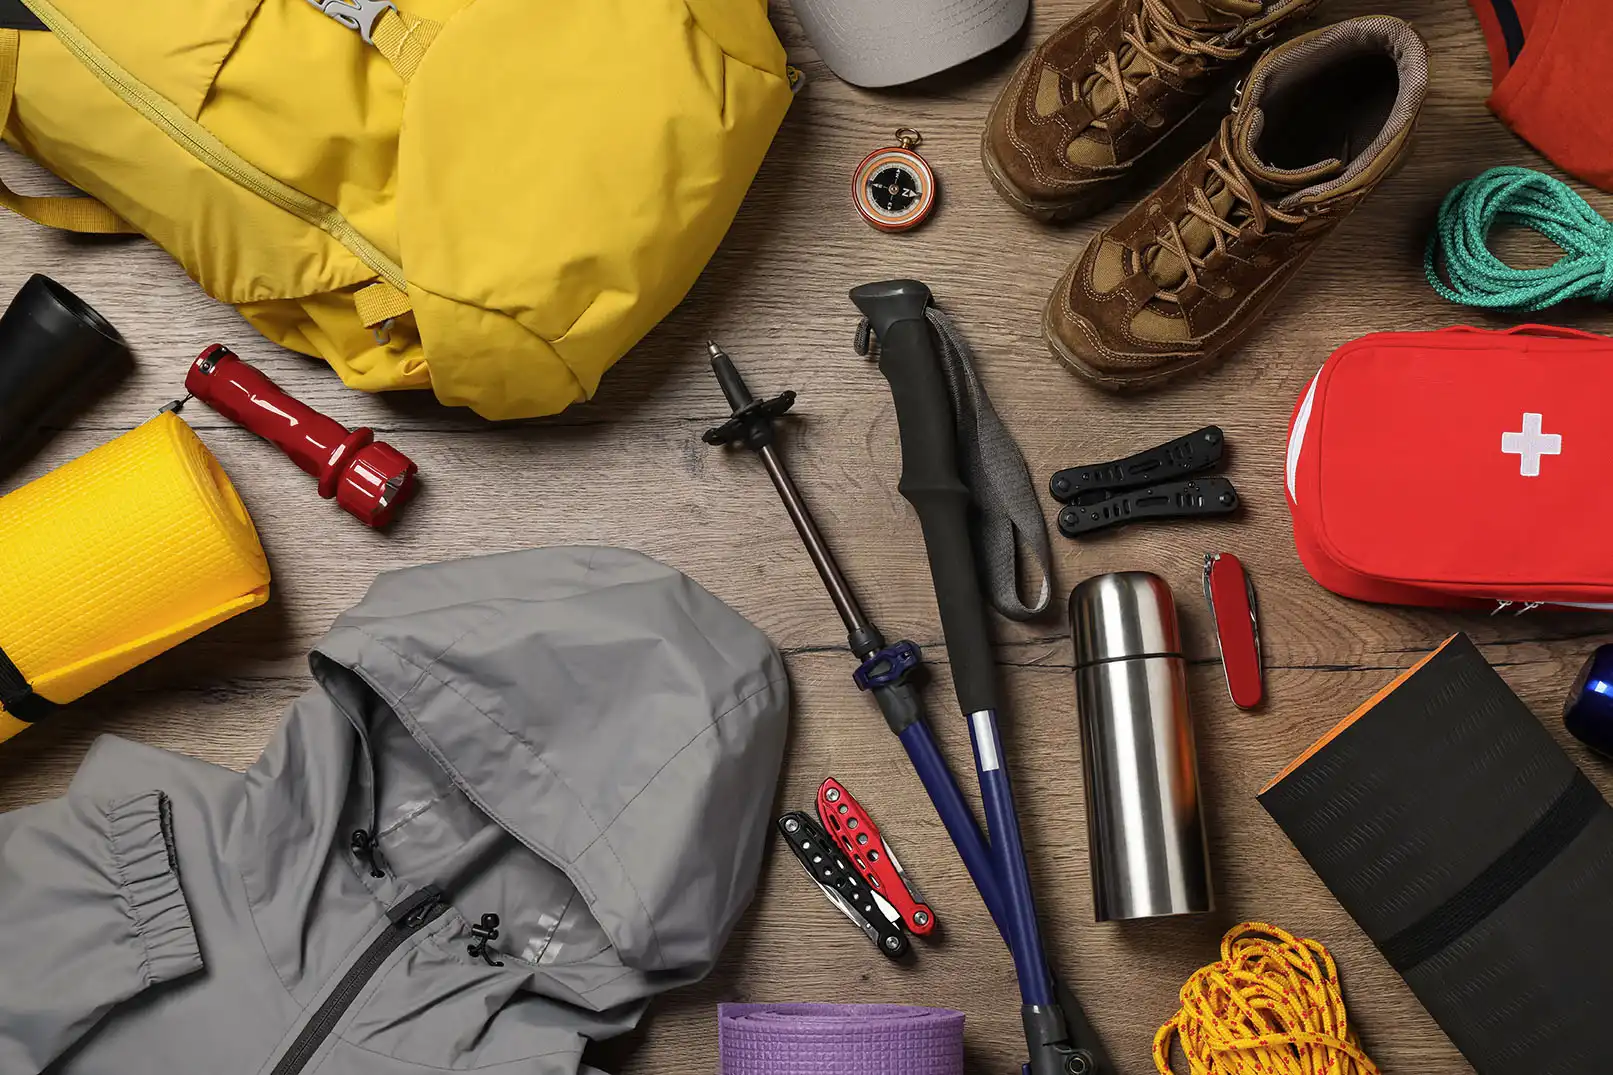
<point x="1588" y="713"/>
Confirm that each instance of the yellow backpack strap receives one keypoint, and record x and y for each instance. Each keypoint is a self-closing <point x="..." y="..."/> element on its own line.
<point x="74" y="213"/>
<point x="402" y="39"/>
<point x="379" y="303"/>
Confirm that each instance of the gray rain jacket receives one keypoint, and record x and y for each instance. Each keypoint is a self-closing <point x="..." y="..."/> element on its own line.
<point x="581" y="741"/>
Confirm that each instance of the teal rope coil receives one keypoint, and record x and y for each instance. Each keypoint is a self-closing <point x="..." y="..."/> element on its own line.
<point x="1535" y="200"/>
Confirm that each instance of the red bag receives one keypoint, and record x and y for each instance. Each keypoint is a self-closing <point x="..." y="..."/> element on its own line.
<point x="1458" y="468"/>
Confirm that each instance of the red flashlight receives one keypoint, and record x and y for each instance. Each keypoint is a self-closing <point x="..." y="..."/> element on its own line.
<point x="370" y="479"/>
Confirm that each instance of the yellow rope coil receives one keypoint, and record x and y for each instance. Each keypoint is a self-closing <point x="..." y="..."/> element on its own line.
<point x="1272" y="1006"/>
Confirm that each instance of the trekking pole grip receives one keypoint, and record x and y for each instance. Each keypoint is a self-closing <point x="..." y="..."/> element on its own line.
<point x="930" y="481"/>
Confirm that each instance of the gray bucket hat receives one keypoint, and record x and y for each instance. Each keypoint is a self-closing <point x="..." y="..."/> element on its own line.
<point x="888" y="42"/>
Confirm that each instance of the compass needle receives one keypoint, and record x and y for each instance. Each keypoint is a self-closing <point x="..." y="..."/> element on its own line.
<point x="894" y="188"/>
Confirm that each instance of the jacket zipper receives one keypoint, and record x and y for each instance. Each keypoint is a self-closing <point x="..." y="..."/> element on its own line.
<point x="407" y="918"/>
<point x="201" y="143"/>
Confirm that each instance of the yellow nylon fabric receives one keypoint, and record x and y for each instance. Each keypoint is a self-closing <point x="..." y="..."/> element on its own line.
<point x="551" y="178"/>
<point x="119" y="555"/>
<point x="77" y="214"/>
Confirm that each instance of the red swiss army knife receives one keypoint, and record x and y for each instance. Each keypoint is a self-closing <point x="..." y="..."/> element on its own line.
<point x="849" y="825"/>
<point x="1237" y="626"/>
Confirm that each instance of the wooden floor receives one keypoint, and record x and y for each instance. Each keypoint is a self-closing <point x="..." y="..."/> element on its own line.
<point x="629" y="469"/>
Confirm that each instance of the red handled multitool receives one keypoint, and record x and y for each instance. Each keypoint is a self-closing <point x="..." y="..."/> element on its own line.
<point x="849" y="825"/>
<point x="1237" y="626"/>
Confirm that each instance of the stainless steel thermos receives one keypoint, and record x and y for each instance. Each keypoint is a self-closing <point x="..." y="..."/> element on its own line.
<point x="1145" y="823"/>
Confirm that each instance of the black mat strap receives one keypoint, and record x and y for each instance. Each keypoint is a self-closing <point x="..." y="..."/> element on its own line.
<point x="1517" y="866"/>
<point x="17" y="695"/>
<point x="14" y="15"/>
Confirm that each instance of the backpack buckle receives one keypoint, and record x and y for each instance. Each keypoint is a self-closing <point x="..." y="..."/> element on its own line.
<point x="359" y="15"/>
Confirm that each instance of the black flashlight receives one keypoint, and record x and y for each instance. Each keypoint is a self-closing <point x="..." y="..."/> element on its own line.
<point x="56" y="354"/>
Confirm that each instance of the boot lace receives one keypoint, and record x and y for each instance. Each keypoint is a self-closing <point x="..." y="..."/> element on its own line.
<point x="1161" y="44"/>
<point x="1246" y="207"/>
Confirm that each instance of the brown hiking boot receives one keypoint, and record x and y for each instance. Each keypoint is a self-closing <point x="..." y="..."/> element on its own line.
<point x="1107" y="87"/>
<point x="1176" y="284"/>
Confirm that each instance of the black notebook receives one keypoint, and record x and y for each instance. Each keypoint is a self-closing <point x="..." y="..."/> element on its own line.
<point x="1464" y="841"/>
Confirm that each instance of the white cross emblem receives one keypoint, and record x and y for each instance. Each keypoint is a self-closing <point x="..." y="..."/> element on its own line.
<point x="1530" y="445"/>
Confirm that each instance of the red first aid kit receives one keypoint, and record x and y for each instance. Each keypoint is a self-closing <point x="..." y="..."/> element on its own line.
<point x="1457" y="468"/>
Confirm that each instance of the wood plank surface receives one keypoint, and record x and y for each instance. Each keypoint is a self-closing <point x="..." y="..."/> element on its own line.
<point x="629" y="469"/>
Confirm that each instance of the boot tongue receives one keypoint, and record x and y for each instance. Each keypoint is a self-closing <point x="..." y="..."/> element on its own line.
<point x="1272" y="185"/>
<point x="1163" y="265"/>
<point x="1214" y="14"/>
<point x="1197" y="17"/>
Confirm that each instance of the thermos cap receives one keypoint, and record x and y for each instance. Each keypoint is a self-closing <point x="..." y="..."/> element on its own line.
<point x="1123" y="614"/>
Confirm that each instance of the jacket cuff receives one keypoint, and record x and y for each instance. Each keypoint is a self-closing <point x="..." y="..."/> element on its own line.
<point x="140" y="833"/>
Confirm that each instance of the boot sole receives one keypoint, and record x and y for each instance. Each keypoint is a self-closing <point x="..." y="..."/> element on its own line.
<point x="1095" y="199"/>
<point x="1120" y="385"/>
<point x="1123" y="384"/>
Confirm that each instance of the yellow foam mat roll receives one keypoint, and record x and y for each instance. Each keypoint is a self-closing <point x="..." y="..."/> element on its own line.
<point x="119" y="555"/>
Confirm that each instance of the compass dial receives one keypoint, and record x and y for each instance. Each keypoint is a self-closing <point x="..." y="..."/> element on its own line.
<point x="894" y="189"/>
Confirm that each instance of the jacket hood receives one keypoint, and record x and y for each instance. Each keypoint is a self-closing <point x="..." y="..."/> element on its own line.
<point x="579" y="740"/>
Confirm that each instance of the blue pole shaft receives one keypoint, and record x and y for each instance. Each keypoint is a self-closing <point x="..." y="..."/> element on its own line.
<point x="956" y="816"/>
<point x="1008" y="858"/>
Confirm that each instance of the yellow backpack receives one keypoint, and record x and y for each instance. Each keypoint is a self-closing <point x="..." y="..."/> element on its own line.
<point x="495" y="198"/>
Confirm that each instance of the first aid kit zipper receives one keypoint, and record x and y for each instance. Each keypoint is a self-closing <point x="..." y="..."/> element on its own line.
<point x="200" y="143"/>
<point x="406" y="919"/>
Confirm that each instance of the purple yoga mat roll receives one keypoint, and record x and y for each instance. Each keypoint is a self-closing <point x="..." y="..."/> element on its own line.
<point x="839" y="1039"/>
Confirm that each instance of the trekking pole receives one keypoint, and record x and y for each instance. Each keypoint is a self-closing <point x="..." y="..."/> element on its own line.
<point x="885" y="671"/>
<point x="1057" y="1035"/>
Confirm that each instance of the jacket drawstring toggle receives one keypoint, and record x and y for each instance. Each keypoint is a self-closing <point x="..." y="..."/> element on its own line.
<point x="367" y="851"/>
<point x="487" y="931"/>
